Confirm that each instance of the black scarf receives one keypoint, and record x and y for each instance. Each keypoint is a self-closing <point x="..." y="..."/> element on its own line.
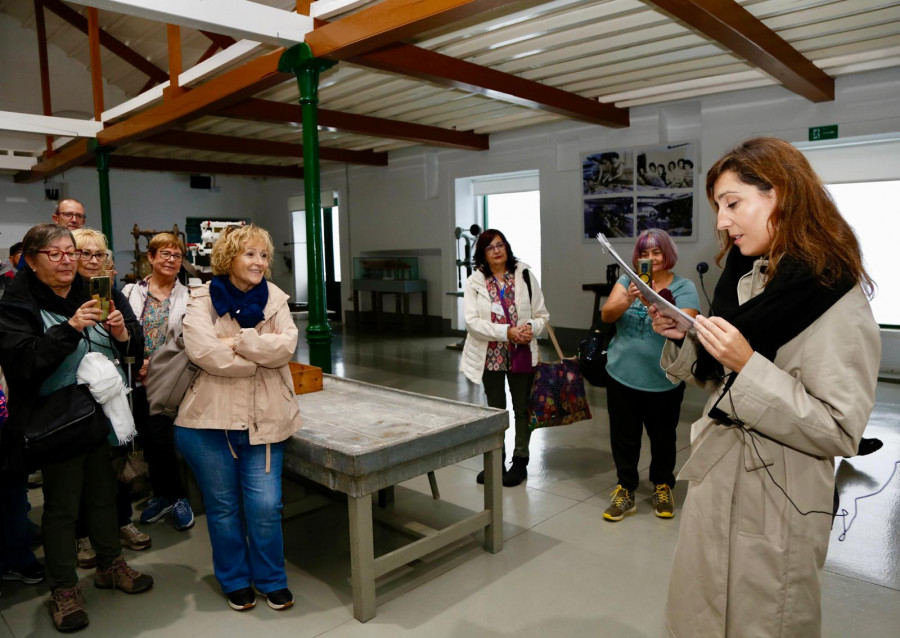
<point x="791" y="301"/>
<point x="244" y="307"/>
<point x="49" y="300"/>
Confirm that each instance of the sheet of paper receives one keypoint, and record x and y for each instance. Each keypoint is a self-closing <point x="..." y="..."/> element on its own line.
<point x="683" y="321"/>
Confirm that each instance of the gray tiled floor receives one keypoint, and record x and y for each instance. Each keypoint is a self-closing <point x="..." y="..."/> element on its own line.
<point x="563" y="570"/>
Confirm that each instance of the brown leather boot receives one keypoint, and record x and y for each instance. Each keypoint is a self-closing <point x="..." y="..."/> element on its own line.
<point x="120" y="576"/>
<point x="67" y="609"/>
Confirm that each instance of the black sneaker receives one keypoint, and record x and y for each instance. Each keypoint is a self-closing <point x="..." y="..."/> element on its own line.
<point x="280" y="598"/>
<point x="242" y="599"/>
<point x="31" y="575"/>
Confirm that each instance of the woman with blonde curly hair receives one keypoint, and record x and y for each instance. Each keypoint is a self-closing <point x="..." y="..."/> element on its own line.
<point x="234" y="419"/>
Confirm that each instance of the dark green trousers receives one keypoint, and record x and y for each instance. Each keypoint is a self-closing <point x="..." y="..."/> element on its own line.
<point x="86" y="483"/>
<point x="519" y="391"/>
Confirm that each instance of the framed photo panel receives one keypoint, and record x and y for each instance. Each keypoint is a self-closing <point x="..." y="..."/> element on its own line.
<point x="626" y="191"/>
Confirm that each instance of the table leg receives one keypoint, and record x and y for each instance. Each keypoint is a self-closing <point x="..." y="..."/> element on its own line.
<point x="356" y="308"/>
<point x="493" y="501"/>
<point x="362" y="557"/>
<point x="405" y="311"/>
<point x="425" y="309"/>
<point x="376" y="306"/>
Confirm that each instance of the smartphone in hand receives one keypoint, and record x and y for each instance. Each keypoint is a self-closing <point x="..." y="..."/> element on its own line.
<point x="101" y="290"/>
<point x="645" y="271"/>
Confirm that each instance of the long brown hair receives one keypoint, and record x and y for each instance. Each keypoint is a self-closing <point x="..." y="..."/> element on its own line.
<point x="805" y="223"/>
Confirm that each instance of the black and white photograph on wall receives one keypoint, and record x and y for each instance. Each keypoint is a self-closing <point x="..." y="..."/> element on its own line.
<point x="665" y="167"/>
<point x="612" y="216"/>
<point x="607" y="172"/>
<point x="671" y="212"/>
<point x="626" y="191"/>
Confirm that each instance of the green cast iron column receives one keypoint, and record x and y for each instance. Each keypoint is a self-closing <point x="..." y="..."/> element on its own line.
<point x="300" y="61"/>
<point x="102" y="155"/>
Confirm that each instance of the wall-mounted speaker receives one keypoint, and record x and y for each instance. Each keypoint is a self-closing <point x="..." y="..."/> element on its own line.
<point x="203" y="182"/>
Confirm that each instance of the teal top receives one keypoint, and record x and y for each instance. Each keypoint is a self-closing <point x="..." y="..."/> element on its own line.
<point x="65" y="374"/>
<point x="633" y="355"/>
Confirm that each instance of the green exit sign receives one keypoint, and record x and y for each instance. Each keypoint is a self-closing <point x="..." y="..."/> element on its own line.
<point x="817" y="133"/>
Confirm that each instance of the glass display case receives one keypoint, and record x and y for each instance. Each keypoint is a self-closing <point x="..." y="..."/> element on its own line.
<point x="386" y="267"/>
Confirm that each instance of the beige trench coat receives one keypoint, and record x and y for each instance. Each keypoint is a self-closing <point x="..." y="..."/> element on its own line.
<point x="747" y="563"/>
<point x="244" y="382"/>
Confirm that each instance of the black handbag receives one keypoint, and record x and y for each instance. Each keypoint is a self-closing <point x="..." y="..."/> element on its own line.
<point x="592" y="355"/>
<point x="64" y="424"/>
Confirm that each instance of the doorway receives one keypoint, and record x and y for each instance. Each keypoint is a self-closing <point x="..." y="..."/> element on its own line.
<point x="332" y="254"/>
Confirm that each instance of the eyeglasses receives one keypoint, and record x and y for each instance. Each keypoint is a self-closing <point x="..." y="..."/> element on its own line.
<point x="495" y="248"/>
<point x="167" y="255"/>
<point x="77" y="216"/>
<point x="86" y="256"/>
<point x="57" y="255"/>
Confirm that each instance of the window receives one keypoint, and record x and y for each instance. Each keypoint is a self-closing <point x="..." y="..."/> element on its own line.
<point x="871" y="209"/>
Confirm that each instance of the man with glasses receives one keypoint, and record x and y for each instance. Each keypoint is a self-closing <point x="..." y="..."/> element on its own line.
<point x="69" y="213"/>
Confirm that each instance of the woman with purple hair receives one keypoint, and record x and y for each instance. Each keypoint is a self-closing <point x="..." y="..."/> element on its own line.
<point x="638" y="393"/>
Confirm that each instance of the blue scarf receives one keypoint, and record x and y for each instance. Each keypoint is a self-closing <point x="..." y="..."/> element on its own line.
<point x="244" y="307"/>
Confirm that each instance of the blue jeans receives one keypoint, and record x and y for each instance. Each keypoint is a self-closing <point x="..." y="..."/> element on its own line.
<point x="243" y="506"/>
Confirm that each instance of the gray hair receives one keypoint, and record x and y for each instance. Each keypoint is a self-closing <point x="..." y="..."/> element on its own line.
<point x="40" y="236"/>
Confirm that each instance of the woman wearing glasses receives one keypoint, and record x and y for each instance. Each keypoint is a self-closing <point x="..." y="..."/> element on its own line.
<point x="505" y="311"/>
<point x="47" y="324"/>
<point x="94" y="254"/>
<point x="160" y="301"/>
<point x="791" y="358"/>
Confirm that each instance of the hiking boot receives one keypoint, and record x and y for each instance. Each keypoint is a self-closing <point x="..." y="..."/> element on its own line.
<point x="663" y="501"/>
<point x="120" y="576"/>
<point x="622" y="503"/>
<point x="35" y="479"/>
<point x="517" y="472"/>
<point x="183" y="515"/>
<point x="242" y="599"/>
<point x="67" y="609"/>
<point x="87" y="558"/>
<point x="157" y="507"/>
<point x="280" y="599"/>
<point x="30" y="575"/>
<point x="133" y="538"/>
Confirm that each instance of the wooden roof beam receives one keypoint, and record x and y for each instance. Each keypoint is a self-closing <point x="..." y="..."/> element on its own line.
<point x="248" y="146"/>
<point x="241" y="19"/>
<point x="739" y="31"/>
<point x="394" y="21"/>
<point x="190" y="166"/>
<point x="75" y="154"/>
<point x="114" y="45"/>
<point x="370" y="38"/>
<point x="232" y="86"/>
<point x="447" y="71"/>
<point x="282" y="113"/>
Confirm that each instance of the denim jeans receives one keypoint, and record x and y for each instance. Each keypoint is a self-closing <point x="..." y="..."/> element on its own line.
<point x="243" y="506"/>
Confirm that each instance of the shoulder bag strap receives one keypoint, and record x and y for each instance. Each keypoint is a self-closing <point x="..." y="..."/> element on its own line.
<point x="555" y="343"/>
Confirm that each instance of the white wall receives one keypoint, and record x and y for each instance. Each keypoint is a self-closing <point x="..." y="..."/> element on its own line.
<point x="151" y="200"/>
<point x="398" y="207"/>
<point x="389" y="208"/>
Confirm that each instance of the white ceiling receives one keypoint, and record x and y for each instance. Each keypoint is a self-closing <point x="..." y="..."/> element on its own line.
<point x="622" y="52"/>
